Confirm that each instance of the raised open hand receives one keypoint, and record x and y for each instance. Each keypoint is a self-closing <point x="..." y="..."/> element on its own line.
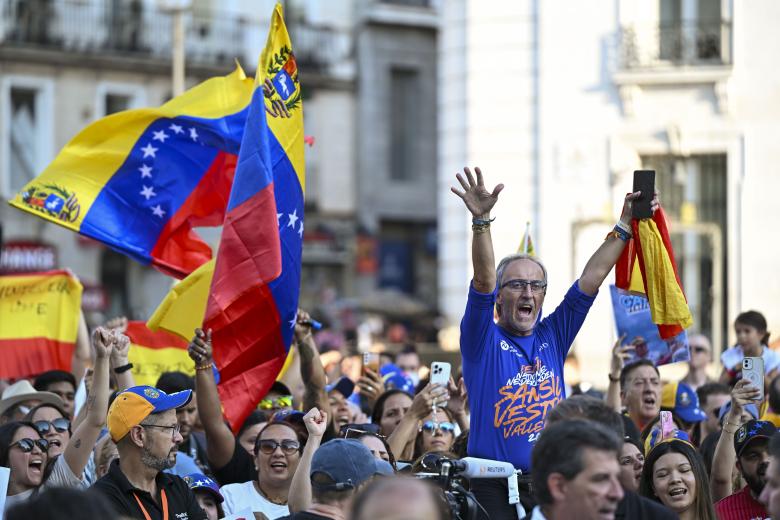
<point x="620" y="353"/>
<point x="478" y="199"/>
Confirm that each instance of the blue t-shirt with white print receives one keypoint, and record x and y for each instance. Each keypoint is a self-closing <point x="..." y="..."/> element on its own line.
<point x="513" y="381"/>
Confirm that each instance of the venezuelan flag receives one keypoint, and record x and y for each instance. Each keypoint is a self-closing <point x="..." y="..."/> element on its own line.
<point x="526" y="245"/>
<point x="39" y="315"/>
<point x="647" y="267"/>
<point x="139" y="180"/>
<point x="153" y="353"/>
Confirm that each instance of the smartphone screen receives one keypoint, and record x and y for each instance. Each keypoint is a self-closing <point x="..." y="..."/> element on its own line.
<point x="644" y="181"/>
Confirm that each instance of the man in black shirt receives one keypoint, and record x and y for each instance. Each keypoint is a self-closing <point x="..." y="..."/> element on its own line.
<point x="194" y="443"/>
<point x="142" y="422"/>
<point x="338" y="469"/>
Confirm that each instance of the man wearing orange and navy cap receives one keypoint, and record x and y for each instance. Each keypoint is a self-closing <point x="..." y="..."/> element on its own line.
<point x="142" y="422"/>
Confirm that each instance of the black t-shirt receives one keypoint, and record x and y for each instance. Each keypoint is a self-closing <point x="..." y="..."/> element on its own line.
<point x="240" y="468"/>
<point x="303" y="515"/>
<point x="635" y="506"/>
<point x="124" y="497"/>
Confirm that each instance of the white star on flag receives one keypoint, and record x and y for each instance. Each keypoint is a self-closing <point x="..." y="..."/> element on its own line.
<point x="292" y="322"/>
<point x="193" y="134"/>
<point x="160" y="136"/>
<point x="149" y="150"/>
<point x="300" y="230"/>
<point x="176" y="128"/>
<point x="148" y="192"/>
<point x="278" y="218"/>
<point x="158" y="211"/>
<point x="146" y="171"/>
<point x="293" y="218"/>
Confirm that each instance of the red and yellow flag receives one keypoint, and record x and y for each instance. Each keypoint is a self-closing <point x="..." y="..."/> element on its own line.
<point x="647" y="267"/>
<point x="153" y="353"/>
<point x="39" y="316"/>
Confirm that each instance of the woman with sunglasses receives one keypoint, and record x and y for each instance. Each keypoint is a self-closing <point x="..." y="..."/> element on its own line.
<point x="276" y="456"/>
<point x="50" y="456"/>
<point x="402" y="441"/>
<point x="436" y="433"/>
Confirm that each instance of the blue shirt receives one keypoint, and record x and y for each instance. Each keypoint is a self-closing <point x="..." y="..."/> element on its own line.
<point x="513" y="381"/>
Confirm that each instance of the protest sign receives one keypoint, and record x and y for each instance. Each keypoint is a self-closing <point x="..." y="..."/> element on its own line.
<point x="633" y="319"/>
<point x="39" y="315"/>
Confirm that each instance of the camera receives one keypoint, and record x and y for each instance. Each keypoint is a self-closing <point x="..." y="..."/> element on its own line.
<point x="443" y="473"/>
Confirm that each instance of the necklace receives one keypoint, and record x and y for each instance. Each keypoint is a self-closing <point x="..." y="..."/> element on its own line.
<point x="278" y="501"/>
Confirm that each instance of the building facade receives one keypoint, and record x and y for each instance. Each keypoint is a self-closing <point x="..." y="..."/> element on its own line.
<point x="562" y="100"/>
<point x="66" y="63"/>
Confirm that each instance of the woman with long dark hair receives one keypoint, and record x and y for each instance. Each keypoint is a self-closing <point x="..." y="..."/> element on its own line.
<point x="674" y="475"/>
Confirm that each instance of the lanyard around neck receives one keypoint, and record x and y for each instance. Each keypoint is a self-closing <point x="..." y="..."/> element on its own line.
<point x="164" y="501"/>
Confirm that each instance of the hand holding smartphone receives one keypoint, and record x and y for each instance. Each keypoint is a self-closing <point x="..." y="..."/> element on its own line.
<point x="644" y="181"/>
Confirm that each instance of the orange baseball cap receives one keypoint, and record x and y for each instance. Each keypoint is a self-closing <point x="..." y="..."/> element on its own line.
<point x="135" y="404"/>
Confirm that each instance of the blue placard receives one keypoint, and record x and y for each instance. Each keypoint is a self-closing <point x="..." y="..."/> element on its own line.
<point x="632" y="318"/>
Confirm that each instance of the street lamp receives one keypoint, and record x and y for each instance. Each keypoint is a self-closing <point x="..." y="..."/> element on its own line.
<point x="176" y="8"/>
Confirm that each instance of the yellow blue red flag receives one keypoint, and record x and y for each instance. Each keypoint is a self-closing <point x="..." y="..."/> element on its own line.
<point x="140" y="180"/>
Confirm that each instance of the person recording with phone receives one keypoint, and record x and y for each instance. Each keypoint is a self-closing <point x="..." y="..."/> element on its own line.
<point x="513" y="369"/>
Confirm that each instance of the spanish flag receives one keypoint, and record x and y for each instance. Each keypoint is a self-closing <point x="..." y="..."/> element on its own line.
<point x="39" y="315"/>
<point x="139" y="181"/>
<point x="647" y="267"/>
<point x="153" y="353"/>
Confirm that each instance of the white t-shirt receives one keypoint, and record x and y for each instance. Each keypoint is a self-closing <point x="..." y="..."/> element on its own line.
<point x="732" y="357"/>
<point x="245" y="496"/>
<point x="61" y="476"/>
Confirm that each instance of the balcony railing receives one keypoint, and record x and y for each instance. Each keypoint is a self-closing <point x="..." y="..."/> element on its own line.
<point x="100" y="28"/>
<point x="681" y="44"/>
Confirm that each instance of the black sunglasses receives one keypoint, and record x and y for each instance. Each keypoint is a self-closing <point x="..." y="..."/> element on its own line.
<point x="358" y="429"/>
<point x="27" y="445"/>
<point x="60" y="425"/>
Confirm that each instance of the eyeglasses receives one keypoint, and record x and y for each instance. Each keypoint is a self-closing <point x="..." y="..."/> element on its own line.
<point x="699" y="350"/>
<point x="284" y="401"/>
<point x="174" y="429"/>
<point x="431" y="426"/>
<point x="27" y="445"/>
<point x="518" y="285"/>
<point x="60" y="425"/>
<point x="268" y="446"/>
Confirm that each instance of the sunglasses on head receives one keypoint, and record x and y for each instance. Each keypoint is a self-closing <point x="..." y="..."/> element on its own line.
<point x="355" y="431"/>
<point x="288" y="416"/>
<point x="268" y="446"/>
<point x="60" y="425"/>
<point x="283" y="401"/>
<point x="27" y="445"/>
<point x="430" y="426"/>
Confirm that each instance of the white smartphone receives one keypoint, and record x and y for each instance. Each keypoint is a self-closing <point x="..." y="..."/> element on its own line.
<point x="753" y="371"/>
<point x="440" y="373"/>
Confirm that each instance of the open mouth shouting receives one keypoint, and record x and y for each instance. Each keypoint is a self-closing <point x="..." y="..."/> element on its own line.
<point x="525" y="309"/>
<point x="278" y="466"/>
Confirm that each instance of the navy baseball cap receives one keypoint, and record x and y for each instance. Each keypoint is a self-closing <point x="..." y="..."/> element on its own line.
<point x="200" y="482"/>
<point x="344" y="385"/>
<point x="346" y="463"/>
<point x="683" y="401"/>
<point x="752" y="430"/>
<point x="394" y="378"/>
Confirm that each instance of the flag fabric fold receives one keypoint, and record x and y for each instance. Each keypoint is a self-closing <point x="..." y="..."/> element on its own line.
<point x="647" y="267"/>
<point x="527" y="245"/>
<point x="153" y="353"/>
<point x="39" y="315"/>
<point x="140" y="180"/>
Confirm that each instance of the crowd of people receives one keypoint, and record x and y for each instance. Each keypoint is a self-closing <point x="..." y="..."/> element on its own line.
<point x="390" y="444"/>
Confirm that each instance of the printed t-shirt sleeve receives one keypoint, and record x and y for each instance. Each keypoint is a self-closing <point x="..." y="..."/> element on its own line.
<point x="476" y="323"/>
<point x="239" y="468"/>
<point x="62" y="476"/>
<point x="566" y="320"/>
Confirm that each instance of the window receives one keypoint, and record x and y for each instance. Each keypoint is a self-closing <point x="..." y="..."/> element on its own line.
<point x="691" y="31"/>
<point x="404" y="91"/>
<point x="26" y="131"/>
<point x="111" y="98"/>
<point x="697" y="186"/>
<point x="116" y="103"/>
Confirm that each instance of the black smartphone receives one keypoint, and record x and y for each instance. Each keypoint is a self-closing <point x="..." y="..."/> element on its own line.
<point x="644" y="181"/>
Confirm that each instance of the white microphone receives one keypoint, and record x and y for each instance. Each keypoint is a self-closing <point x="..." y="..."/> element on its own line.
<point x="472" y="467"/>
